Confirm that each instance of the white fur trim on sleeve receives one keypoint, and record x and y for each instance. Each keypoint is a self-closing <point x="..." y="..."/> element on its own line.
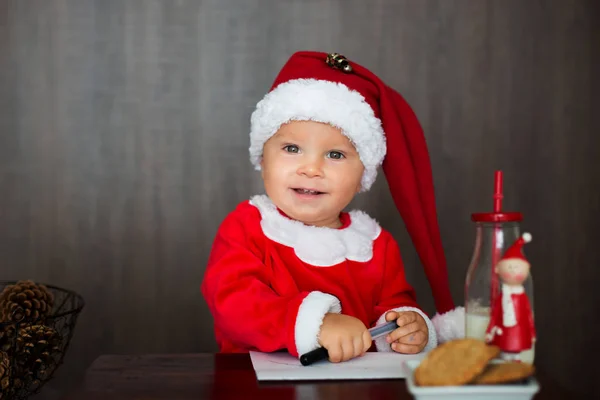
<point x="384" y="346"/>
<point x="310" y="317"/>
<point x="321" y="101"/>
<point x="450" y="325"/>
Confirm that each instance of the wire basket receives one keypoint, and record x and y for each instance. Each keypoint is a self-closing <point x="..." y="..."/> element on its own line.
<point x="36" y="325"/>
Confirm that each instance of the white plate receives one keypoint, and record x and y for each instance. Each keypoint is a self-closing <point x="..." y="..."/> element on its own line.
<point x="469" y="392"/>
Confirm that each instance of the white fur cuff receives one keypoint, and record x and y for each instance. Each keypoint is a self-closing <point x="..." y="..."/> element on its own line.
<point x="310" y="317"/>
<point x="384" y="346"/>
<point x="450" y="325"/>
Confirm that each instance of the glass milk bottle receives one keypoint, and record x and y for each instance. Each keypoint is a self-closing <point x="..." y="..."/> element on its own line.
<point x="495" y="232"/>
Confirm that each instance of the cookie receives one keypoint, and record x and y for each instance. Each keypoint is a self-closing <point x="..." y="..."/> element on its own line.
<point x="504" y="373"/>
<point x="456" y="362"/>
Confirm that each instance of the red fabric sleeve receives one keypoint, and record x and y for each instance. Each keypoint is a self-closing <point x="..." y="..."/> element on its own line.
<point x="246" y="311"/>
<point x="395" y="290"/>
<point x="398" y="295"/>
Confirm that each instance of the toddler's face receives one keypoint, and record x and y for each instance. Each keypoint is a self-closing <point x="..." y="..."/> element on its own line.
<point x="311" y="171"/>
<point x="513" y="271"/>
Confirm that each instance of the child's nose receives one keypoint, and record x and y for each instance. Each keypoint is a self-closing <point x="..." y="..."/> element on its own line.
<point x="312" y="167"/>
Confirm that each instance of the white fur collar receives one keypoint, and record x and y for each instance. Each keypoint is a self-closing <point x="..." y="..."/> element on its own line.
<point x="319" y="246"/>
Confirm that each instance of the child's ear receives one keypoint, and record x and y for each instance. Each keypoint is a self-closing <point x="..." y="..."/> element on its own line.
<point x="262" y="167"/>
<point x="358" y="186"/>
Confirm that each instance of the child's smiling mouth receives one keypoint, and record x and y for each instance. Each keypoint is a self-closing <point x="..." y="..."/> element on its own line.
<point x="307" y="191"/>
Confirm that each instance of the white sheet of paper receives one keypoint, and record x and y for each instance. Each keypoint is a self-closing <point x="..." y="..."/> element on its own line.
<point x="373" y="365"/>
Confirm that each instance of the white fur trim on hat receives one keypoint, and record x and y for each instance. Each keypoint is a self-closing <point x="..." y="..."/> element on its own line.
<point x="321" y="101"/>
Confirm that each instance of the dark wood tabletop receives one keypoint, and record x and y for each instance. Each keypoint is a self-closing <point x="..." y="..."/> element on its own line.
<point x="228" y="376"/>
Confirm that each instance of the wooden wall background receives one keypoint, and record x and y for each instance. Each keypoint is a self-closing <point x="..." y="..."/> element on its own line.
<point x="124" y="134"/>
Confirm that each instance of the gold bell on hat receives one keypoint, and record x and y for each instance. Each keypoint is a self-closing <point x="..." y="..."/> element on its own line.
<point x="338" y="61"/>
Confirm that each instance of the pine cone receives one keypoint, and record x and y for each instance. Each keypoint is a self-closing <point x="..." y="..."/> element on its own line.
<point x="37" y="347"/>
<point x="4" y="373"/>
<point x="7" y="336"/>
<point x="26" y="301"/>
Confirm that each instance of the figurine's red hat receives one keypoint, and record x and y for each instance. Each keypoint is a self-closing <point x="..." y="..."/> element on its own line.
<point x="516" y="250"/>
<point x="382" y="126"/>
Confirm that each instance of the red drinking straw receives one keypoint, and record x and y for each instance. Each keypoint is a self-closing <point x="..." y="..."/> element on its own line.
<point x="495" y="251"/>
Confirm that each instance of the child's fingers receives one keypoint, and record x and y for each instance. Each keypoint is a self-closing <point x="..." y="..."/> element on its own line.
<point x="414" y="338"/>
<point x="335" y="353"/>
<point x="391" y="316"/>
<point x="367" y="340"/>
<point x="348" y="349"/>
<point x="405" y="318"/>
<point x="358" y="346"/>
<point x="403" y="331"/>
<point x="405" y="348"/>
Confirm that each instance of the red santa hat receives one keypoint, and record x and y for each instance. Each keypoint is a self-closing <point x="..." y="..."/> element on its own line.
<point x="382" y="126"/>
<point x="516" y="250"/>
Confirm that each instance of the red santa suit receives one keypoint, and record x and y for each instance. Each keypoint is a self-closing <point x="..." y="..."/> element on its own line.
<point x="511" y="324"/>
<point x="270" y="280"/>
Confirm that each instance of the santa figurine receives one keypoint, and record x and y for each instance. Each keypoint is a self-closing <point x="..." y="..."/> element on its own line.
<point x="511" y="324"/>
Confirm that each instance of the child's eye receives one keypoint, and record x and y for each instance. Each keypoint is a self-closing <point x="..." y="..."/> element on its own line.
<point x="291" y="148"/>
<point x="336" y="155"/>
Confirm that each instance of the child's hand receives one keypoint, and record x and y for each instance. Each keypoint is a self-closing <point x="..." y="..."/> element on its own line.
<point x="344" y="337"/>
<point x="412" y="335"/>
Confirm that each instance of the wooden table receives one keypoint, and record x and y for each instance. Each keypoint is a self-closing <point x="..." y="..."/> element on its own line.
<point x="228" y="376"/>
